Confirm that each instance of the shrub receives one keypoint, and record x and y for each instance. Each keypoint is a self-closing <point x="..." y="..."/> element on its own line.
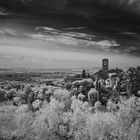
<point x="64" y="97"/>
<point x="81" y="97"/>
<point x="129" y="118"/>
<point x="79" y="119"/>
<point x="11" y="94"/>
<point x="7" y="124"/>
<point x="74" y="92"/>
<point x="87" y="84"/>
<point x="111" y="106"/>
<point x="81" y="89"/>
<point x="23" y="97"/>
<point x="92" y="96"/>
<point x="75" y="84"/>
<point x="17" y="101"/>
<point x="24" y="119"/>
<point x="67" y="118"/>
<point x="37" y="104"/>
<point x="68" y="86"/>
<point x="45" y="93"/>
<point x="61" y="94"/>
<point x="52" y="121"/>
<point x="102" y="126"/>
<point x="28" y="90"/>
<point x="2" y="95"/>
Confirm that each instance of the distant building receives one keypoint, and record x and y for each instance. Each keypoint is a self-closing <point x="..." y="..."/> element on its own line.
<point x="105" y="68"/>
<point x="105" y="64"/>
<point x="83" y="73"/>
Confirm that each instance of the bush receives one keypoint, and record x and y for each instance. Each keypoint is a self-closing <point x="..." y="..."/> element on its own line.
<point x="129" y="119"/>
<point x="67" y="118"/>
<point x="7" y="124"/>
<point x="87" y="84"/>
<point x="81" y="97"/>
<point x="24" y="119"/>
<point x="37" y="104"/>
<point x="61" y="94"/>
<point x="102" y="126"/>
<point x="3" y="94"/>
<point x="64" y="97"/>
<point x="92" y="96"/>
<point x="17" y="101"/>
<point x="111" y="106"/>
<point x="45" y="93"/>
<point x="79" y="120"/>
<point x="28" y="90"/>
<point x="11" y="94"/>
<point x="68" y="86"/>
<point x="74" y="92"/>
<point x="52" y="121"/>
<point x="23" y="97"/>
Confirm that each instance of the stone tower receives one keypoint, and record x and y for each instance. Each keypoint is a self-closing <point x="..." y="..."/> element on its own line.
<point x="105" y="68"/>
<point x="83" y="73"/>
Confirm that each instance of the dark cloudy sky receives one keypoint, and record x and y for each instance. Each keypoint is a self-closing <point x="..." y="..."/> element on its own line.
<point x="69" y="33"/>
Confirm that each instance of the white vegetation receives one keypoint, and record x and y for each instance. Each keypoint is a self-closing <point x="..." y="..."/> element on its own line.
<point x="67" y="118"/>
<point x="73" y="111"/>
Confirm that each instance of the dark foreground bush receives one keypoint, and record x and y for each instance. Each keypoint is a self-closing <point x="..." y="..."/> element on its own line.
<point x="3" y="94"/>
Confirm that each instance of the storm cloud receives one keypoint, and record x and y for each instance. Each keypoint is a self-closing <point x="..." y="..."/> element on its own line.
<point x="67" y="32"/>
<point x="83" y="8"/>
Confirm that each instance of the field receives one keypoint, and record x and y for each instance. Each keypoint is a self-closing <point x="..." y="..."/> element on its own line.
<point x="43" y="106"/>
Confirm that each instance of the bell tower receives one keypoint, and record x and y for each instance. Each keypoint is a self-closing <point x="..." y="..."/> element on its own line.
<point x="105" y="68"/>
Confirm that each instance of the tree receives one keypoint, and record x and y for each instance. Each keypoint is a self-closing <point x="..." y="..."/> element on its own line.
<point x="134" y="76"/>
<point x="92" y="96"/>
